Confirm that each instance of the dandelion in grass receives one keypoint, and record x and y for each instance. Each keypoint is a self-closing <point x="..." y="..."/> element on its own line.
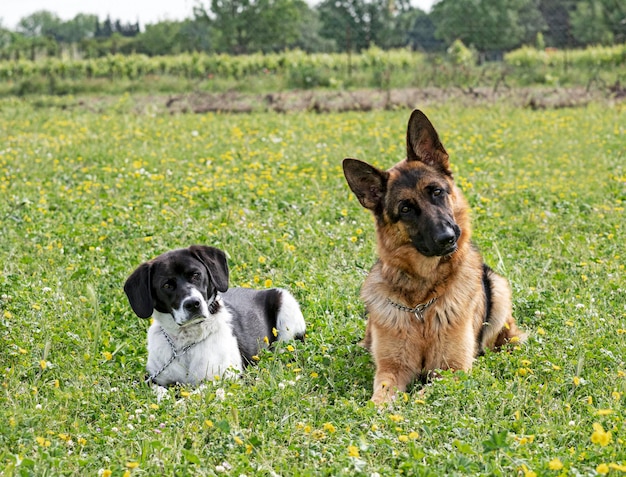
<point x="329" y="427"/>
<point x="396" y="418"/>
<point x="600" y="436"/>
<point x="42" y="441"/>
<point x="353" y="451"/>
<point x="602" y="469"/>
<point x="555" y="464"/>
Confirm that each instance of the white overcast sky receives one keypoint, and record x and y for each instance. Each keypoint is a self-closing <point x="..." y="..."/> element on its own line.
<point x="144" y="11"/>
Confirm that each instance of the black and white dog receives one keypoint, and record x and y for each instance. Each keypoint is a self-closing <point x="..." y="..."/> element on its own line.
<point x="201" y="329"/>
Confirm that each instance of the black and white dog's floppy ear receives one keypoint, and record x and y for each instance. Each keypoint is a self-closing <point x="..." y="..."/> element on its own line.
<point x="215" y="262"/>
<point x="139" y="292"/>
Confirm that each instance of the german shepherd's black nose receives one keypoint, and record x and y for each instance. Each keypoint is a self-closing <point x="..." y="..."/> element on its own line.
<point x="445" y="237"/>
<point x="192" y="304"/>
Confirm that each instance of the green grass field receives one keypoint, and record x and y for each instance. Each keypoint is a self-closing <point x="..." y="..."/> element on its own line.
<point x="87" y="197"/>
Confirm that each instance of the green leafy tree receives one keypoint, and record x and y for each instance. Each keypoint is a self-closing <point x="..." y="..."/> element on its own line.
<point x="80" y="27"/>
<point x="589" y="23"/>
<point x="531" y="21"/>
<point x="358" y="24"/>
<point x="40" y="24"/>
<point x="278" y="23"/>
<point x="162" y="38"/>
<point x="599" y="21"/>
<point x="309" y="39"/>
<point x="486" y="25"/>
<point x="195" y="35"/>
<point x="243" y="26"/>
<point x="556" y="15"/>
<point x="421" y="31"/>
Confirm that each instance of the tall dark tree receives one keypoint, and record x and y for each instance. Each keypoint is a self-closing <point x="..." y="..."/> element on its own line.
<point x="421" y="32"/>
<point x="556" y="14"/>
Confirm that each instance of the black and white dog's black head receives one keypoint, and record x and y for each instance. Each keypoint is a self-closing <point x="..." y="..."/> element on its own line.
<point x="183" y="283"/>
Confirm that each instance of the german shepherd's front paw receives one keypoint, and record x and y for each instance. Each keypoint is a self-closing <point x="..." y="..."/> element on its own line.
<point x="384" y="393"/>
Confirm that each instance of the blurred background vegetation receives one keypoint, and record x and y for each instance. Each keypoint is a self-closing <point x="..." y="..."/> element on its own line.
<point x="334" y="43"/>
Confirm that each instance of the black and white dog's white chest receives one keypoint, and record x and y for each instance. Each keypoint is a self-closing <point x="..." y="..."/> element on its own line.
<point x="194" y="357"/>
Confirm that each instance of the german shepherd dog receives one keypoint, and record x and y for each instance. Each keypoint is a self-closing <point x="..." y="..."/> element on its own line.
<point x="432" y="302"/>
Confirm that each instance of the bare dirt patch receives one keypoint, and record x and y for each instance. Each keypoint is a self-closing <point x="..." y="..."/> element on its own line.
<point x="360" y="100"/>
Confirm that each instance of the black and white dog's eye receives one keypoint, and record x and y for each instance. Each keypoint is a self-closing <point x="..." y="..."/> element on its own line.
<point x="168" y="285"/>
<point x="196" y="277"/>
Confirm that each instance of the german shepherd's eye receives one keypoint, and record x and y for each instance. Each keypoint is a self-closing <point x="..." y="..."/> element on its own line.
<point x="405" y="208"/>
<point x="437" y="192"/>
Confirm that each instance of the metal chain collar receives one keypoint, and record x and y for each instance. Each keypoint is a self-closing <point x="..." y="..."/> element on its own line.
<point x="418" y="310"/>
<point x="213" y="308"/>
<point x="175" y="354"/>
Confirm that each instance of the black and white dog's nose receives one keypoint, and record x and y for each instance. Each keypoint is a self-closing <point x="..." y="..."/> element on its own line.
<point x="192" y="304"/>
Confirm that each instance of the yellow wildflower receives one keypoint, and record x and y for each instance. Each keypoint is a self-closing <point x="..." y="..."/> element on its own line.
<point x="353" y="451"/>
<point x="600" y="436"/>
<point x="602" y="469"/>
<point x="555" y="464"/>
<point x="42" y="441"/>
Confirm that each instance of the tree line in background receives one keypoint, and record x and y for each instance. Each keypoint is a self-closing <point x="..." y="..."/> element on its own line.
<point x="490" y="27"/>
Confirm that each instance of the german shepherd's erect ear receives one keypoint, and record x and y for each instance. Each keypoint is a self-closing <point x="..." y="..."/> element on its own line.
<point x="368" y="183"/>
<point x="423" y="144"/>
